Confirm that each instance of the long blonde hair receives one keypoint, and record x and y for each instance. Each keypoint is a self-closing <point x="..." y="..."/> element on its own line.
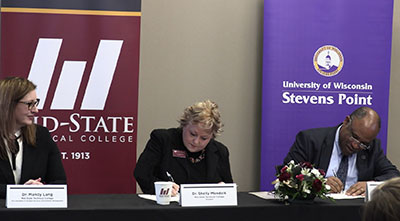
<point x="12" y="90"/>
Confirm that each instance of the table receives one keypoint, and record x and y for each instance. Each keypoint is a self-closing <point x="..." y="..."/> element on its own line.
<point x="131" y="207"/>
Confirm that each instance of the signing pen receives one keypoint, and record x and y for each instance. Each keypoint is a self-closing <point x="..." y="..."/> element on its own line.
<point x="334" y="173"/>
<point x="170" y="177"/>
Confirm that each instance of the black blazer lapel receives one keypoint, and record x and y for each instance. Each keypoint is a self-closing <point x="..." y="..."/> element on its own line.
<point x="362" y="164"/>
<point x="326" y="149"/>
<point x="212" y="162"/>
<point x="184" y="163"/>
<point x="5" y="168"/>
<point x="177" y="145"/>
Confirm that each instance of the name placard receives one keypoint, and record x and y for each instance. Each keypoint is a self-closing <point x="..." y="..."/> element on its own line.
<point x="371" y="185"/>
<point x="36" y="196"/>
<point x="208" y="195"/>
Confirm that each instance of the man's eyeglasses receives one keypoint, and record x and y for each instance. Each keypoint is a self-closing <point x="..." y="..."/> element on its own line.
<point x="359" y="143"/>
<point x="31" y="104"/>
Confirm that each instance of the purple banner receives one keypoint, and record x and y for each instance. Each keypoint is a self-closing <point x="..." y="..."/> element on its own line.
<point x="322" y="60"/>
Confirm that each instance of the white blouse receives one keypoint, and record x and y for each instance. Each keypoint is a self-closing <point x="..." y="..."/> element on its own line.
<point x="18" y="159"/>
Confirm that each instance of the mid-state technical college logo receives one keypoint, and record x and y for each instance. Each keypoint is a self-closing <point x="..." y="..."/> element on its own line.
<point x="164" y="192"/>
<point x="68" y="85"/>
<point x="328" y="60"/>
<point x="72" y="125"/>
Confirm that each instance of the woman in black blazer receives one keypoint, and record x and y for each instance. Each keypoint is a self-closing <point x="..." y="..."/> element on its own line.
<point x="188" y="154"/>
<point x="28" y="155"/>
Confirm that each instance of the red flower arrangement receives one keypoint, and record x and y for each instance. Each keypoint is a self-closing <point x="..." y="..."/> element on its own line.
<point x="301" y="181"/>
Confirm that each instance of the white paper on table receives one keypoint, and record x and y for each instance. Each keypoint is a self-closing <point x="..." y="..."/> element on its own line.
<point x="265" y="195"/>
<point x="343" y="196"/>
<point x="153" y="197"/>
<point x="338" y="196"/>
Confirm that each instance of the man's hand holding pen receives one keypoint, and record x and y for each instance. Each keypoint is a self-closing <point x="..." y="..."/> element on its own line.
<point x="335" y="183"/>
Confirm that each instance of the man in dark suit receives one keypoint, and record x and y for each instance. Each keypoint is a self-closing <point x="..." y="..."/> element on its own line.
<point x="349" y="153"/>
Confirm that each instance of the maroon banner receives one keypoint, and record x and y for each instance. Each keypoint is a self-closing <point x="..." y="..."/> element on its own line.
<point x="86" y="68"/>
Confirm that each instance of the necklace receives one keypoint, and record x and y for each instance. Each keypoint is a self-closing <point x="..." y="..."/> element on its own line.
<point x="199" y="158"/>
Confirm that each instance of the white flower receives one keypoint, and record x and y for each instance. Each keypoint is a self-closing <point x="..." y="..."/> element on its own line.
<point x="276" y="186"/>
<point x="305" y="171"/>
<point x="327" y="187"/>
<point x="315" y="172"/>
<point x="305" y="189"/>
